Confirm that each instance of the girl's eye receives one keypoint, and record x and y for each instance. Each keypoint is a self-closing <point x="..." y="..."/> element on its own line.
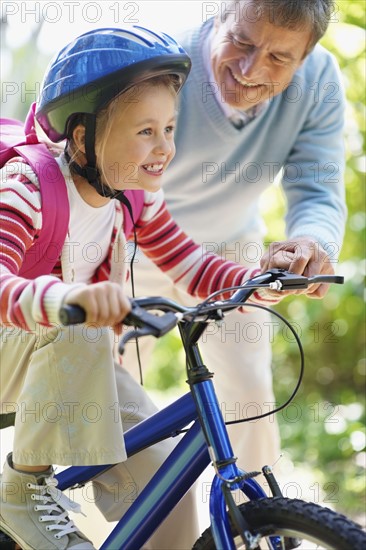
<point x="146" y="132"/>
<point x="149" y="131"/>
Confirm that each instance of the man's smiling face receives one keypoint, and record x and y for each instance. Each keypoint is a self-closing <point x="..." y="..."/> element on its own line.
<point x="252" y="59"/>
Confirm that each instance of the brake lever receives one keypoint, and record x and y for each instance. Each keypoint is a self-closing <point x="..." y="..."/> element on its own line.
<point x="154" y="325"/>
<point x="147" y="324"/>
<point x="335" y="279"/>
<point x="130" y="335"/>
<point x="286" y="280"/>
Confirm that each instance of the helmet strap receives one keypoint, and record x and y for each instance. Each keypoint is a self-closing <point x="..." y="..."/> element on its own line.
<point x="90" y="171"/>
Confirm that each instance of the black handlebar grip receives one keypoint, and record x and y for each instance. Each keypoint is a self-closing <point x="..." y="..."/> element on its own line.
<point x="72" y="315"/>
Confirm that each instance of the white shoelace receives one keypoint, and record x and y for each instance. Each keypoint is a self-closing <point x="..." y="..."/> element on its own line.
<point x="56" y="503"/>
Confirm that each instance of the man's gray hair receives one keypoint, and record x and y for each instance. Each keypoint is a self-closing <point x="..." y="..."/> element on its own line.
<point x="291" y="14"/>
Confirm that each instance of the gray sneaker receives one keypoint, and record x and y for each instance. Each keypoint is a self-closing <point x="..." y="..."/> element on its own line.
<point x="34" y="512"/>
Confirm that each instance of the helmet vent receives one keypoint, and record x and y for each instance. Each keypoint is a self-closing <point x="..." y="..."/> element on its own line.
<point x="130" y="35"/>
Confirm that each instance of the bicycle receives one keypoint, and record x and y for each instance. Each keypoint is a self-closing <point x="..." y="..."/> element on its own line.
<point x="272" y="522"/>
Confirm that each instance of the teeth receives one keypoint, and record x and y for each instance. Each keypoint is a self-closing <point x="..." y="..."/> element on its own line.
<point x="243" y="83"/>
<point x="154" y="167"/>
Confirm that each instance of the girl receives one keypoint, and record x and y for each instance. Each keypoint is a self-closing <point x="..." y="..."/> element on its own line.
<point x="111" y="95"/>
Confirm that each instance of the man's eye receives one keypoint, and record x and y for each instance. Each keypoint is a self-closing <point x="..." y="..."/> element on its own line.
<point x="240" y="44"/>
<point x="278" y="59"/>
<point x="170" y="129"/>
<point x="146" y="131"/>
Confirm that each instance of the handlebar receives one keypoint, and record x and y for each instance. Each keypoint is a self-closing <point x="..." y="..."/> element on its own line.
<point x="146" y="323"/>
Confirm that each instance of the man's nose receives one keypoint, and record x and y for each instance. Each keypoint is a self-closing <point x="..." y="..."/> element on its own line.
<point x="251" y="65"/>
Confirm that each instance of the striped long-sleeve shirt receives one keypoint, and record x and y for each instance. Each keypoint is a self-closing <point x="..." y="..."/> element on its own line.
<point x="26" y="303"/>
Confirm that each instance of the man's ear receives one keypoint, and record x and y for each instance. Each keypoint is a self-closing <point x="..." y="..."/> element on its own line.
<point x="78" y="136"/>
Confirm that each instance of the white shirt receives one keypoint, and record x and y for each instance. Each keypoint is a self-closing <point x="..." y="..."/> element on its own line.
<point x="90" y="231"/>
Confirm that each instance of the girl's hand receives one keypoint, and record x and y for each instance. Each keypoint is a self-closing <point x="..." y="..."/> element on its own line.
<point x="105" y="303"/>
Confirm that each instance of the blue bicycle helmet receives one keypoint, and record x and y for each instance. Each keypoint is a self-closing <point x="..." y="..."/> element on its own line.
<point x="99" y="65"/>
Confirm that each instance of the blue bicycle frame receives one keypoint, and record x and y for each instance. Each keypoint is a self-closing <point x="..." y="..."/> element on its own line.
<point x="206" y="440"/>
<point x="181" y="469"/>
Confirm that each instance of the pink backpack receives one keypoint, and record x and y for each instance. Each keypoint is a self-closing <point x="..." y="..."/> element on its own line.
<point x="20" y="139"/>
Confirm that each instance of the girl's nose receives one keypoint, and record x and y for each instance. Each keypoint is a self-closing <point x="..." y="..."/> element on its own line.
<point x="164" y="146"/>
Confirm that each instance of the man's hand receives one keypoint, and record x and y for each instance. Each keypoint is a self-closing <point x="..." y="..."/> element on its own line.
<point x="303" y="256"/>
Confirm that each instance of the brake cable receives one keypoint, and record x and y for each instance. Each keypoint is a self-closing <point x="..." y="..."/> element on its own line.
<point x="284" y="320"/>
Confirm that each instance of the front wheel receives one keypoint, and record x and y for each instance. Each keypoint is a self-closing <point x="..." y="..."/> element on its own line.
<point x="291" y="520"/>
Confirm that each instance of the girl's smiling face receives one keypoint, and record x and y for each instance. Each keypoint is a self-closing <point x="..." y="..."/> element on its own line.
<point x="140" y="142"/>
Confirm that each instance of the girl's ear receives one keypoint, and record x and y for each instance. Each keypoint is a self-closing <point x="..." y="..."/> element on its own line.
<point x="78" y="136"/>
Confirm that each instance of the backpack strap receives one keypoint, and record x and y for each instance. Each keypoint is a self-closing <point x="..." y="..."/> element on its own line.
<point x="41" y="258"/>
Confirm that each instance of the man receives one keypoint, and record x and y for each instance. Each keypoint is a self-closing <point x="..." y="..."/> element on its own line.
<point x="263" y="101"/>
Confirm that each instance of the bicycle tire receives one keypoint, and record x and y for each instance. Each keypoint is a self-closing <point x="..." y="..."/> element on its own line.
<point x="293" y="518"/>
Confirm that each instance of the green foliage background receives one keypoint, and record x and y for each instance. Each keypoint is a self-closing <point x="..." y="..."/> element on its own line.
<point x="325" y="429"/>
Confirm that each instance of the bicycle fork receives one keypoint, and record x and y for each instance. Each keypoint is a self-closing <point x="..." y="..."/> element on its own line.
<point x="228" y="476"/>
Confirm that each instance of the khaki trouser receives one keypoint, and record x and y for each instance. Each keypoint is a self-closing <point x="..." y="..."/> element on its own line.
<point x="72" y="404"/>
